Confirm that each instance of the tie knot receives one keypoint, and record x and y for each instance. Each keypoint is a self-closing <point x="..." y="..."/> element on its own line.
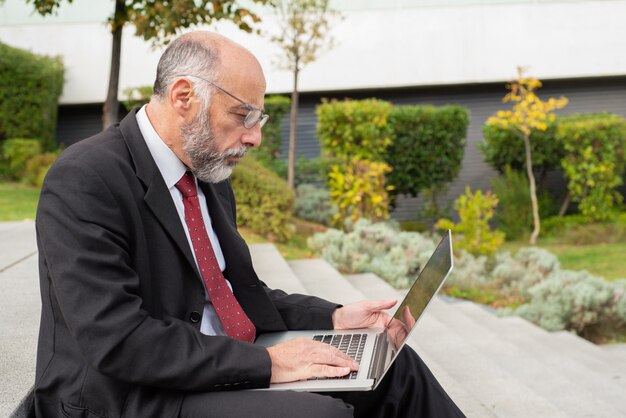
<point x="187" y="185"/>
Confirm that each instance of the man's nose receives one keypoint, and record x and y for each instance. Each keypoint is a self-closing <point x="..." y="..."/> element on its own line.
<point x="252" y="137"/>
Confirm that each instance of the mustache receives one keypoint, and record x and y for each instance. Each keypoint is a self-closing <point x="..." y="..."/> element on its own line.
<point x="237" y="153"/>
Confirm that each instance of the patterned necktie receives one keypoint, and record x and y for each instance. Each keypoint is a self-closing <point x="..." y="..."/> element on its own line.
<point x="234" y="320"/>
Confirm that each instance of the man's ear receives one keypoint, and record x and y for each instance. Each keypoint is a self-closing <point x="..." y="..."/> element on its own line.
<point x="182" y="97"/>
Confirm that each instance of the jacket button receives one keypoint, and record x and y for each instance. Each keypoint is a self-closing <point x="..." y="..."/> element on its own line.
<point x="195" y="317"/>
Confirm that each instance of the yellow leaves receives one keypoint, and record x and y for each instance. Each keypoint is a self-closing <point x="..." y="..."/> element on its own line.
<point x="529" y="111"/>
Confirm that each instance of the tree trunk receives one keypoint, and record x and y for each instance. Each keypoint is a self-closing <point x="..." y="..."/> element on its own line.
<point x="292" y="132"/>
<point x="533" y="192"/>
<point x="111" y="105"/>
<point x="565" y="205"/>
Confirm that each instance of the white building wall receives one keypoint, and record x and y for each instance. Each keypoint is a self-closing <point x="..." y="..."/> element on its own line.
<point x="379" y="44"/>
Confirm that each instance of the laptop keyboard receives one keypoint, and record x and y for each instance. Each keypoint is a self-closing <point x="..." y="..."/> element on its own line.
<point x="350" y="344"/>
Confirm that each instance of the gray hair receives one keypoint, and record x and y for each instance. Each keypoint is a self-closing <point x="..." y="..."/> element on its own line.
<point x="186" y="56"/>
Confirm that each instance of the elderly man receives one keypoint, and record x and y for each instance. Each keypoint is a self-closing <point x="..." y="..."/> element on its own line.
<point x="150" y="301"/>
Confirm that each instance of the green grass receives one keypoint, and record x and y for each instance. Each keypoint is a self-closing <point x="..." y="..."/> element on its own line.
<point x="17" y="201"/>
<point x="604" y="260"/>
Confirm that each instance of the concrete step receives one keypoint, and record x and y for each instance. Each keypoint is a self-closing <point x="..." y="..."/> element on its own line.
<point x="562" y="343"/>
<point x="20" y="307"/>
<point x="272" y="269"/>
<point x="322" y="279"/>
<point x="569" y="397"/>
<point x="596" y="396"/>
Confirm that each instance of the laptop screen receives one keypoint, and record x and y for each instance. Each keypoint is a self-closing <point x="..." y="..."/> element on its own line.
<point x="424" y="288"/>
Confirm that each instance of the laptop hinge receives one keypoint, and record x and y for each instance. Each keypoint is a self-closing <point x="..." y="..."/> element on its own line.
<point x="378" y="362"/>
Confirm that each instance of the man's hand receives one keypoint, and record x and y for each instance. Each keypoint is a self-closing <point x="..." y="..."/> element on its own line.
<point x="364" y="314"/>
<point x="301" y="359"/>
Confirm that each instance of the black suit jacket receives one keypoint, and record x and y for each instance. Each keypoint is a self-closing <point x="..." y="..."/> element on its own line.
<point x="121" y="295"/>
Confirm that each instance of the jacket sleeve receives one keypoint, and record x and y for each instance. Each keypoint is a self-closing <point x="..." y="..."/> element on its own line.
<point x="83" y="236"/>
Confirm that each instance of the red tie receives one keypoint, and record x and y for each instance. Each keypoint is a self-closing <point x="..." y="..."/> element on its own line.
<point x="234" y="320"/>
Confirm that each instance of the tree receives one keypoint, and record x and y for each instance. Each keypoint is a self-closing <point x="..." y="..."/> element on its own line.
<point x="304" y="27"/>
<point x="529" y="113"/>
<point x="156" y="21"/>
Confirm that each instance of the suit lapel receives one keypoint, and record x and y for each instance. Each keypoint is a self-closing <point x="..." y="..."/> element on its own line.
<point x="157" y="194"/>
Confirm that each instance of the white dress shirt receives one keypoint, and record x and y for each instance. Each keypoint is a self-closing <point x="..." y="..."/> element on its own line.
<point x="172" y="169"/>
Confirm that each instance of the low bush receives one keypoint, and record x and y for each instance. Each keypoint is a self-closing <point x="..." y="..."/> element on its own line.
<point x="264" y="201"/>
<point x="594" y="161"/>
<point x="15" y="154"/>
<point x="577" y="230"/>
<point x="37" y="168"/>
<point x="358" y="189"/>
<point x="313" y="204"/>
<point x="473" y="231"/>
<point x="378" y="248"/>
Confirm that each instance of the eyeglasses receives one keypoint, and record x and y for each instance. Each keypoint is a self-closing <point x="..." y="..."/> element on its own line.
<point x="254" y="116"/>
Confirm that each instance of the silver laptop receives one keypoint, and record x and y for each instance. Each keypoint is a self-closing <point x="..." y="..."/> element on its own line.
<point x="374" y="349"/>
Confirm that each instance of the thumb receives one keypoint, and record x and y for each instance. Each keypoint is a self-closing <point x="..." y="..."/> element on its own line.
<point x="381" y="304"/>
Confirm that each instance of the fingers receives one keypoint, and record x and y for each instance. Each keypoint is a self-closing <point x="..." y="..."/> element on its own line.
<point x="409" y="320"/>
<point x="381" y="305"/>
<point x="301" y="359"/>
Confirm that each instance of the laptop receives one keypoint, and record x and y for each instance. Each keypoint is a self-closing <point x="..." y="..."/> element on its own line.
<point x="374" y="349"/>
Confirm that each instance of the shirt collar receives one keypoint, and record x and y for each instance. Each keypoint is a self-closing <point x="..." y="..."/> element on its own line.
<point x="170" y="166"/>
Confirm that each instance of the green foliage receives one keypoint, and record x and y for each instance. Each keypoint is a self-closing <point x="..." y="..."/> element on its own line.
<point x="37" y="167"/>
<point x="313" y="204"/>
<point x="513" y="215"/>
<point x="15" y="154"/>
<point x="157" y="20"/>
<point x="30" y="86"/>
<point x="594" y="162"/>
<point x="577" y="230"/>
<point x="268" y="153"/>
<point x="313" y="170"/>
<point x="136" y="96"/>
<point x="427" y="147"/>
<point x="264" y="202"/>
<point x="474" y="233"/>
<point x="354" y="128"/>
<point x="503" y="147"/>
<point x="358" y="190"/>
<point x="378" y="248"/>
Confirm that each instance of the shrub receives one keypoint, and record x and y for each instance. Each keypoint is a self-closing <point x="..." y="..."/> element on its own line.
<point x="427" y="147"/>
<point x="577" y="230"/>
<point x="264" y="202"/>
<point x="503" y="147"/>
<point x="37" y="167"/>
<point x="354" y="128"/>
<point x="313" y="204"/>
<point x="378" y="248"/>
<point x="15" y="154"/>
<point x="30" y="86"/>
<point x="577" y="301"/>
<point x="358" y="190"/>
<point x="594" y="162"/>
<point x="474" y="232"/>
<point x="514" y="212"/>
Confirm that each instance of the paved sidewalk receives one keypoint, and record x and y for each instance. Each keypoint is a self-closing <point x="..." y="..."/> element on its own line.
<point x="19" y="312"/>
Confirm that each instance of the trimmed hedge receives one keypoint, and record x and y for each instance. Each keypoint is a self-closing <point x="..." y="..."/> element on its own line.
<point x="428" y="146"/>
<point x="594" y="161"/>
<point x="15" y="153"/>
<point x="30" y="87"/>
<point x="503" y="147"/>
<point x="264" y="201"/>
<point x="354" y="128"/>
